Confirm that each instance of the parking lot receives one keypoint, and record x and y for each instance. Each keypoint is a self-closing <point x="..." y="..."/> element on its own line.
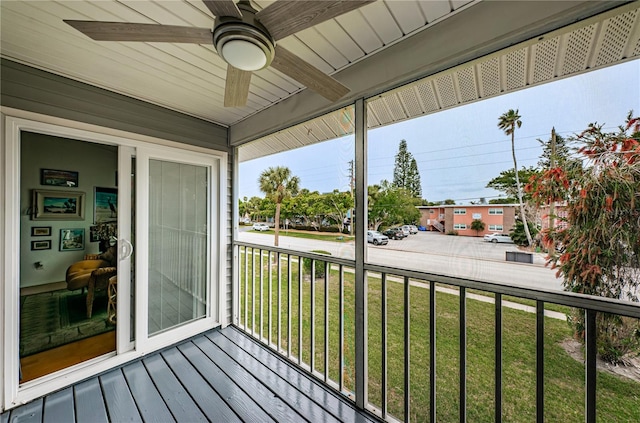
<point x="456" y="246"/>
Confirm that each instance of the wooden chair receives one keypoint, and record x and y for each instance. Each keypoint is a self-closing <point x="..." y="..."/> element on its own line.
<point x="92" y="273"/>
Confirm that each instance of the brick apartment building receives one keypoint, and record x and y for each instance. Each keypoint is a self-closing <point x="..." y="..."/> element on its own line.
<point x="445" y="219"/>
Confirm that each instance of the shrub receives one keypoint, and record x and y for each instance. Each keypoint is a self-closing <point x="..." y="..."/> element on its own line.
<point x="452" y="233"/>
<point x="319" y="265"/>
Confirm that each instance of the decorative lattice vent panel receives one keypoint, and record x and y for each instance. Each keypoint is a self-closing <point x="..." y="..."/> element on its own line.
<point x="379" y="108"/>
<point x="616" y="34"/>
<point x="395" y="107"/>
<point x="545" y="55"/>
<point x="410" y="101"/>
<point x="490" y="77"/>
<point x="577" y="49"/>
<point x="428" y="96"/>
<point x="516" y="64"/>
<point x="467" y="84"/>
<point x="446" y="90"/>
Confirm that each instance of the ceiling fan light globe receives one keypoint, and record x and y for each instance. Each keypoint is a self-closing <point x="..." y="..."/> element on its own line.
<point x="244" y="55"/>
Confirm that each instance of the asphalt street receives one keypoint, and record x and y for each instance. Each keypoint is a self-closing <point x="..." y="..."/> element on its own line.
<point x="465" y="257"/>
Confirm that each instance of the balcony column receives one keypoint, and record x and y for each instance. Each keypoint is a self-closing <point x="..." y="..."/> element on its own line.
<point x="360" y="253"/>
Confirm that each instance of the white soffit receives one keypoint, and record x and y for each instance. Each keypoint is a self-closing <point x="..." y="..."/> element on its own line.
<point x="603" y="40"/>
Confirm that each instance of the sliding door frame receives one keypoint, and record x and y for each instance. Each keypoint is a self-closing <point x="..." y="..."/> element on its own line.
<point x="13" y="123"/>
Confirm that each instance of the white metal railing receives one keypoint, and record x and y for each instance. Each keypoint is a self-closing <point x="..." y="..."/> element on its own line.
<point x="310" y="319"/>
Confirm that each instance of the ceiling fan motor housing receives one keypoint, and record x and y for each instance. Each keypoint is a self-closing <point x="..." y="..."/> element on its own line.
<point x="243" y="43"/>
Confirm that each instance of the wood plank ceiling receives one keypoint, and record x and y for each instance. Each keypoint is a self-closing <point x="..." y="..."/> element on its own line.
<point x="190" y="78"/>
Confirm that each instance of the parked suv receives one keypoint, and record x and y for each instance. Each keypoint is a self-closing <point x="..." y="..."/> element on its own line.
<point x="495" y="238"/>
<point x="394" y="233"/>
<point x="376" y="238"/>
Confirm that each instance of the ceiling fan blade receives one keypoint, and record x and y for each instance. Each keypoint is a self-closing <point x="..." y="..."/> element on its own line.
<point x="312" y="77"/>
<point x="286" y="17"/>
<point x="125" y="31"/>
<point x="236" y="89"/>
<point x="223" y="8"/>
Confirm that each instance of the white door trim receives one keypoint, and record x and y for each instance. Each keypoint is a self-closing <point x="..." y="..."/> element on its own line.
<point x="13" y="123"/>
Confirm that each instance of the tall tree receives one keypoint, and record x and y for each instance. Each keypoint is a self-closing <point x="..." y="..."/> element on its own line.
<point x="506" y="182"/>
<point x="405" y="171"/>
<point x="600" y="246"/>
<point x="389" y="205"/>
<point x="277" y="183"/>
<point x="508" y="122"/>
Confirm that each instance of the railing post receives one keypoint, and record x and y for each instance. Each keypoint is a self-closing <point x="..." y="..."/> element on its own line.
<point x="498" y="358"/>
<point x="590" y="366"/>
<point x="463" y="354"/>
<point x="407" y="350"/>
<point x="361" y="221"/>
<point x="432" y="351"/>
<point x="540" y="361"/>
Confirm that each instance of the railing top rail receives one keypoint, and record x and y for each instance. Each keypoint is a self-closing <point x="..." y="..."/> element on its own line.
<point x="315" y="256"/>
<point x="571" y="299"/>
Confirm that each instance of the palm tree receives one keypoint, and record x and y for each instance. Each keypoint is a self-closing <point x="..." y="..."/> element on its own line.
<point x="277" y="184"/>
<point x="508" y="122"/>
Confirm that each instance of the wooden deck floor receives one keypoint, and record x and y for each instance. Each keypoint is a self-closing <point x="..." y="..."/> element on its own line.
<point x="220" y="376"/>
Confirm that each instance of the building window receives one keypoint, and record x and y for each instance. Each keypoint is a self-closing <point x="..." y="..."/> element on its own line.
<point x="459" y="226"/>
<point x="459" y="211"/>
<point x="495" y="227"/>
<point x="432" y="211"/>
<point x="496" y="211"/>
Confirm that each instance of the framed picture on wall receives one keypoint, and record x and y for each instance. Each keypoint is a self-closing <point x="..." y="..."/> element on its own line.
<point x="59" y="178"/>
<point x="41" y="245"/>
<point x="41" y="231"/>
<point x="57" y="205"/>
<point x="72" y="239"/>
<point x="105" y="207"/>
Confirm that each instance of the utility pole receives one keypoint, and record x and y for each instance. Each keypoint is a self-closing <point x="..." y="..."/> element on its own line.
<point x="352" y="180"/>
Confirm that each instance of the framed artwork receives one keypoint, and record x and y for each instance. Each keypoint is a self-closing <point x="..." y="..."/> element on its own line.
<point x="41" y="245"/>
<point x="41" y="231"/>
<point x="105" y="207"/>
<point x="57" y="205"/>
<point x="59" y="178"/>
<point x="93" y="234"/>
<point x="72" y="239"/>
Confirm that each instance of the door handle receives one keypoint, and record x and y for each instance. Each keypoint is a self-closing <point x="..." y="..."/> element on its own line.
<point x="125" y="249"/>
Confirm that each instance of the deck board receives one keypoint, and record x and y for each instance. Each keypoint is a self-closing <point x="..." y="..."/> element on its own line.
<point x="281" y="386"/>
<point x="120" y="404"/>
<point x="208" y="400"/>
<point x="278" y="409"/>
<point x="58" y="407"/>
<point x="171" y="390"/>
<point x="227" y="388"/>
<point x="150" y="404"/>
<point x="312" y="388"/>
<point x="89" y="402"/>
<point x="221" y="375"/>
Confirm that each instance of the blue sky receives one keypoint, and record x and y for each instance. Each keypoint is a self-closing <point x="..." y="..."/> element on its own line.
<point x="460" y="150"/>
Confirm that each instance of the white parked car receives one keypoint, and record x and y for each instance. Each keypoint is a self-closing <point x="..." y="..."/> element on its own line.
<point x="495" y="238"/>
<point x="376" y="238"/>
<point x="412" y="229"/>
<point x="260" y="227"/>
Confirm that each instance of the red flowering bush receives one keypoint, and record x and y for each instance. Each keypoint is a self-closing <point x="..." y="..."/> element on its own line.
<point x="600" y="252"/>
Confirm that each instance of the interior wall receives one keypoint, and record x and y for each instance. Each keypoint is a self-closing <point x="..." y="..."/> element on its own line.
<point x="96" y="165"/>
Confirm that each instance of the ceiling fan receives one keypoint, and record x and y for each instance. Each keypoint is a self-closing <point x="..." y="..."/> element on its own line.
<point x="245" y="38"/>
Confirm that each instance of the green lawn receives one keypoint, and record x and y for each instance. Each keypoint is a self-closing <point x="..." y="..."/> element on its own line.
<point x="618" y="399"/>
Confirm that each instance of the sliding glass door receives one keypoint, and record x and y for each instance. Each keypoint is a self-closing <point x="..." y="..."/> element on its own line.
<point x="148" y="217"/>
<point x="177" y="203"/>
<point x="178" y="243"/>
